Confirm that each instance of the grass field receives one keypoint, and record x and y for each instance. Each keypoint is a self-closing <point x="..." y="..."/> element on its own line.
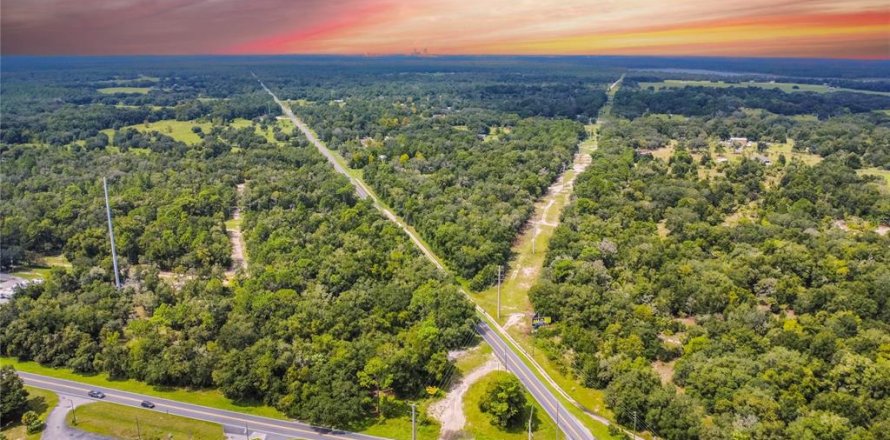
<point x="400" y="428"/>
<point x="479" y="424"/>
<point x="42" y="269"/>
<point x="877" y="172"/>
<point x="39" y="401"/>
<point x="179" y="130"/>
<point x="127" y="90"/>
<point x="182" y="130"/>
<point x="785" y="87"/>
<point x="126" y="422"/>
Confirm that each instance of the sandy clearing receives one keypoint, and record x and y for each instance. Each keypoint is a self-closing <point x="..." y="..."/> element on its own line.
<point x="449" y="411"/>
<point x="238" y="260"/>
<point x="514" y="319"/>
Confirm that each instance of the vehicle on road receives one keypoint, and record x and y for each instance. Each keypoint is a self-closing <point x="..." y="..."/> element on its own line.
<point x="96" y="394"/>
<point x="147" y="404"/>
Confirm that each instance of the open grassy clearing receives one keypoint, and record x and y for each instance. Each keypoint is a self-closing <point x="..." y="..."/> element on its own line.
<point x="178" y="130"/>
<point x="123" y="90"/>
<point x="42" y="269"/>
<point x="877" y="172"/>
<point x="182" y="130"/>
<point x="785" y="87"/>
<point x="479" y="425"/>
<point x="206" y="397"/>
<point x="473" y="358"/>
<point x="525" y="267"/>
<point x="400" y="428"/>
<point x="127" y="422"/>
<point x="40" y="401"/>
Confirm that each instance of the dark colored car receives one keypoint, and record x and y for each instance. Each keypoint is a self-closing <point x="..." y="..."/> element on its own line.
<point x="147" y="404"/>
<point x="96" y="394"/>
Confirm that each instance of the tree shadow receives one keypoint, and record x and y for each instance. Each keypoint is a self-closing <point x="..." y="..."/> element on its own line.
<point x="38" y="404"/>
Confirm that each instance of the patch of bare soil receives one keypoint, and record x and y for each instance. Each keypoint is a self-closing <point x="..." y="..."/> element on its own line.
<point x="450" y="410"/>
<point x="234" y="233"/>
<point x="665" y="370"/>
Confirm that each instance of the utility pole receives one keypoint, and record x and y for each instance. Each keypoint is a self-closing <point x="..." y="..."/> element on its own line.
<point x="500" y="268"/>
<point x="117" y="277"/>
<point x="531" y="414"/>
<point x="535" y="237"/>
<point x="635" y="423"/>
<point x="557" y="420"/>
<point x="138" y="431"/>
<point x="413" y="422"/>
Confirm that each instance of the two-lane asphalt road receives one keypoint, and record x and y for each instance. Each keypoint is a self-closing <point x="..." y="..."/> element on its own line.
<point x="234" y="421"/>
<point x="565" y="421"/>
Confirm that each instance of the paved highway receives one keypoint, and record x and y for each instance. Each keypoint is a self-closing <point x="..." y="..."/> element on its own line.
<point x="234" y="421"/>
<point x="568" y="423"/>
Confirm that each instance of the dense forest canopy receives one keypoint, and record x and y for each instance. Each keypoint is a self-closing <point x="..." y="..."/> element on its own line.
<point x="751" y="277"/>
<point x="770" y="319"/>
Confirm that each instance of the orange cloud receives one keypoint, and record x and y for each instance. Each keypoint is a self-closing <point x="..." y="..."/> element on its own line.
<point x="811" y="28"/>
<point x="859" y="29"/>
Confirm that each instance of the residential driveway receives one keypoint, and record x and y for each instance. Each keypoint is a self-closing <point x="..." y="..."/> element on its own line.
<point x="56" y="429"/>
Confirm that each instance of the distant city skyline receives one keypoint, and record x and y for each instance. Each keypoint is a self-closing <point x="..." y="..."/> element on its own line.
<point x="757" y="28"/>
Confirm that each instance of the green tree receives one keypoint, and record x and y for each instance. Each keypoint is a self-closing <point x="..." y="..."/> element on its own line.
<point x="819" y="425"/>
<point x="13" y="396"/>
<point x="32" y="422"/>
<point x="504" y="401"/>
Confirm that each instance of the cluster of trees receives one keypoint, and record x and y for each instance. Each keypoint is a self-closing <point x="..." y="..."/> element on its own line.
<point x="861" y="140"/>
<point x="338" y="320"/>
<point x="167" y="210"/>
<point x="467" y="180"/>
<point x="704" y="101"/>
<point x="774" y="325"/>
<point x="469" y="195"/>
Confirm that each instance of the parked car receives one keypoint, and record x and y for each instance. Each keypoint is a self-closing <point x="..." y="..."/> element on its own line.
<point x="147" y="404"/>
<point x="96" y="394"/>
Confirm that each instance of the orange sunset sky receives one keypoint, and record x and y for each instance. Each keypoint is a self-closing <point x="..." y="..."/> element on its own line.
<point x="827" y="29"/>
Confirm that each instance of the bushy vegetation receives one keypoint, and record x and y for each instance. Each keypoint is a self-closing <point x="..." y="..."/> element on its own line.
<point x="778" y="324"/>
<point x="466" y="181"/>
<point x="702" y="101"/>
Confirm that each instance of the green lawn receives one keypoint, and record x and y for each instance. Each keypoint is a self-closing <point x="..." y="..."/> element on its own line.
<point x="128" y="90"/>
<point x="127" y="422"/>
<point x="785" y="87"/>
<point x="877" y="172"/>
<point x="206" y="397"/>
<point x="232" y="224"/>
<point x="400" y="428"/>
<point x="42" y="269"/>
<point x="179" y="130"/>
<point x="479" y="424"/>
<point x="40" y="401"/>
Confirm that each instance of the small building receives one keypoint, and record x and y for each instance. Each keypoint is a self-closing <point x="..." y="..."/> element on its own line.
<point x="722" y="159"/>
<point x="763" y="159"/>
<point x="738" y="141"/>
